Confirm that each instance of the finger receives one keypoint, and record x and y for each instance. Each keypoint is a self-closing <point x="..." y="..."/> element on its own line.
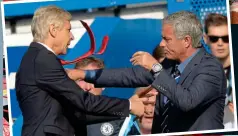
<point x="143" y="92"/>
<point x="135" y="58"/>
<point x="154" y="93"/>
<point x="137" y="53"/>
<point x="144" y="99"/>
<point x="134" y="62"/>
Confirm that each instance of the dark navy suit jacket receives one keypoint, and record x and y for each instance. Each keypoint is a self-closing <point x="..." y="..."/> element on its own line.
<point x="53" y="103"/>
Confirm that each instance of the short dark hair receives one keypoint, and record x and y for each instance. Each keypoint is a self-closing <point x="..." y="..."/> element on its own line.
<point x="214" y="19"/>
<point x="158" y="52"/>
<point x="89" y="60"/>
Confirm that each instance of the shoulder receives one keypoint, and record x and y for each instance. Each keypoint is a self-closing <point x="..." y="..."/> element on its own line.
<point x="46" y="58"/>
<point x="209" y="62"/>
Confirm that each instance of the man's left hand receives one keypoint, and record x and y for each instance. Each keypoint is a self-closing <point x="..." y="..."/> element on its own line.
<point x="143" y="59"/>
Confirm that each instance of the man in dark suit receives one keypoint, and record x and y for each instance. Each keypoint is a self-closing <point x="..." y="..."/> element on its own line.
<point x="47" y="96"/>
<point x="191" y="82"/>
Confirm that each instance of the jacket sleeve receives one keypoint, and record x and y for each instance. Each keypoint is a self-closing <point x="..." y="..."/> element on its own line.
<point x="123" y="77"/>
<point x="51" y="77"/>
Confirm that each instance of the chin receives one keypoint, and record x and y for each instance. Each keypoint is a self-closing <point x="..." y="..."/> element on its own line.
<point x="64" y="52"/>
<point x="221" y="56"/>
<point x="147" y="126"/>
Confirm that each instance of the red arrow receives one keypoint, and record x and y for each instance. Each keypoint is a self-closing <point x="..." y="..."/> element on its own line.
<point x="92" y="46"/>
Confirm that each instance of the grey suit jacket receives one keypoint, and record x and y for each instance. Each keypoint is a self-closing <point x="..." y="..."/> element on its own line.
<point x="198" y="99"/>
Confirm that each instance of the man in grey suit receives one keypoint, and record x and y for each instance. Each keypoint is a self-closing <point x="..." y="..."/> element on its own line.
<point x="190" y="81"/>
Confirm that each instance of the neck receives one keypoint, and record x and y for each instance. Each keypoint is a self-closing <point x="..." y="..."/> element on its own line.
<point x="225" y="62"/>
<point x="186" y="55"/>
<point x="50" y="45"/>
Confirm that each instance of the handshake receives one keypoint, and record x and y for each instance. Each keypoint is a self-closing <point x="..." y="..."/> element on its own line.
<point x="140" y="98"/>
<point x="137" y="101"/>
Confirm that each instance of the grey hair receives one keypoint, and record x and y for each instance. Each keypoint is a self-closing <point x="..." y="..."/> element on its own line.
<point x="186" y="23"/>
<point x="44" y="17"/>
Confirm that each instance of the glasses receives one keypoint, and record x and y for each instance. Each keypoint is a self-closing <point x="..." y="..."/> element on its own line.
<point x="214" y="39"/>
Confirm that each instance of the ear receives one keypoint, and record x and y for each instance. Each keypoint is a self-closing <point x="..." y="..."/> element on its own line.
<point x="187" y="41"/>
<point x="205" y="38"/>
<point x="52" y="30"/>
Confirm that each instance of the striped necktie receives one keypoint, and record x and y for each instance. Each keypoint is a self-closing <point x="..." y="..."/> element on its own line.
<point x="167" y="103"/>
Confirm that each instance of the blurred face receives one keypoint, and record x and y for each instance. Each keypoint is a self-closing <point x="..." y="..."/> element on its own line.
<point x="173" y="47"/>
<point x="4" y="83"/>
<point x="63" y="38"/>
<point x="147" y="119"/>
<point x="218" y="40"/>
<point x="88" y="86"/>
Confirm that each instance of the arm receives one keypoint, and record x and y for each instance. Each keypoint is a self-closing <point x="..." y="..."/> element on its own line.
<point x="123" y="77"/>
<point x="204" y="88"/>
<point x="51" y="77"/>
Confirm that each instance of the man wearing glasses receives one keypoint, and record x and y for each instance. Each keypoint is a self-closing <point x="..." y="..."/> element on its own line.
<point x="216" y="37"/>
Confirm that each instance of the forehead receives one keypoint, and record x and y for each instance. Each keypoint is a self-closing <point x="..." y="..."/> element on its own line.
<point x="90" y="67"/>
<point x="218" y="30"/>
<point x="167" y="29"/>
<point x="67" y="24"/>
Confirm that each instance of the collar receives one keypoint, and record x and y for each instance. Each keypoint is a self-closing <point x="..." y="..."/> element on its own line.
<point x="182" y="65"/>
<point x="47" y="47"/>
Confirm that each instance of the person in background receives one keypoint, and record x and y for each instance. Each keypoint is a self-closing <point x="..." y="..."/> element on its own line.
<point x="216" y="37"/>
<point x="158" y="53"/>
<point x="146" y="121"/>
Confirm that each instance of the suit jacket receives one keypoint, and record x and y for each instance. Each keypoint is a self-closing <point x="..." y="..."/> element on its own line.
<point x="49" y="99"/>
<point x="197" y="99"/>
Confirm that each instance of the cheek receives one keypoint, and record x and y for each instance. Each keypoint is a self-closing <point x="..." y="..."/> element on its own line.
<point x="213" y="46"/>
<point x="227" y="46"/>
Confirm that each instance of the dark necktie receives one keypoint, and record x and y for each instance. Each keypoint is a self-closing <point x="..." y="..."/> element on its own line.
<point x="167" y="104"/>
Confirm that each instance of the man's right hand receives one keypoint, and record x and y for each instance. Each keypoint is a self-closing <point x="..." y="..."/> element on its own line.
<point x="137" y="106"/>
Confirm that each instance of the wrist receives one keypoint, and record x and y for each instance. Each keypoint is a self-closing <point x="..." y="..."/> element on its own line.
<point x="156" y="68"/>
<point x="92" y="75"/>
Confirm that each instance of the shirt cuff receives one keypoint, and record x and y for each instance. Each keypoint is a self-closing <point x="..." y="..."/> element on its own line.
<point x="129" y="105"/>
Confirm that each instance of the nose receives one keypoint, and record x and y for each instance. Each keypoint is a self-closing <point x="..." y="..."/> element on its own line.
<point x="71" y="36"/>
<point x="220" y="42"/>
<point x="149" y="109"/>
<point x="162" y="43"/>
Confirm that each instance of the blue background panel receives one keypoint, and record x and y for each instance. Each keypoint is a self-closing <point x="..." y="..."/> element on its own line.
<point x="70" y="5"/>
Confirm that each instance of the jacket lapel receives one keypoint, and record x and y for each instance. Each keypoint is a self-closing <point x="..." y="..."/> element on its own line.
<point x="188" y="69"/>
